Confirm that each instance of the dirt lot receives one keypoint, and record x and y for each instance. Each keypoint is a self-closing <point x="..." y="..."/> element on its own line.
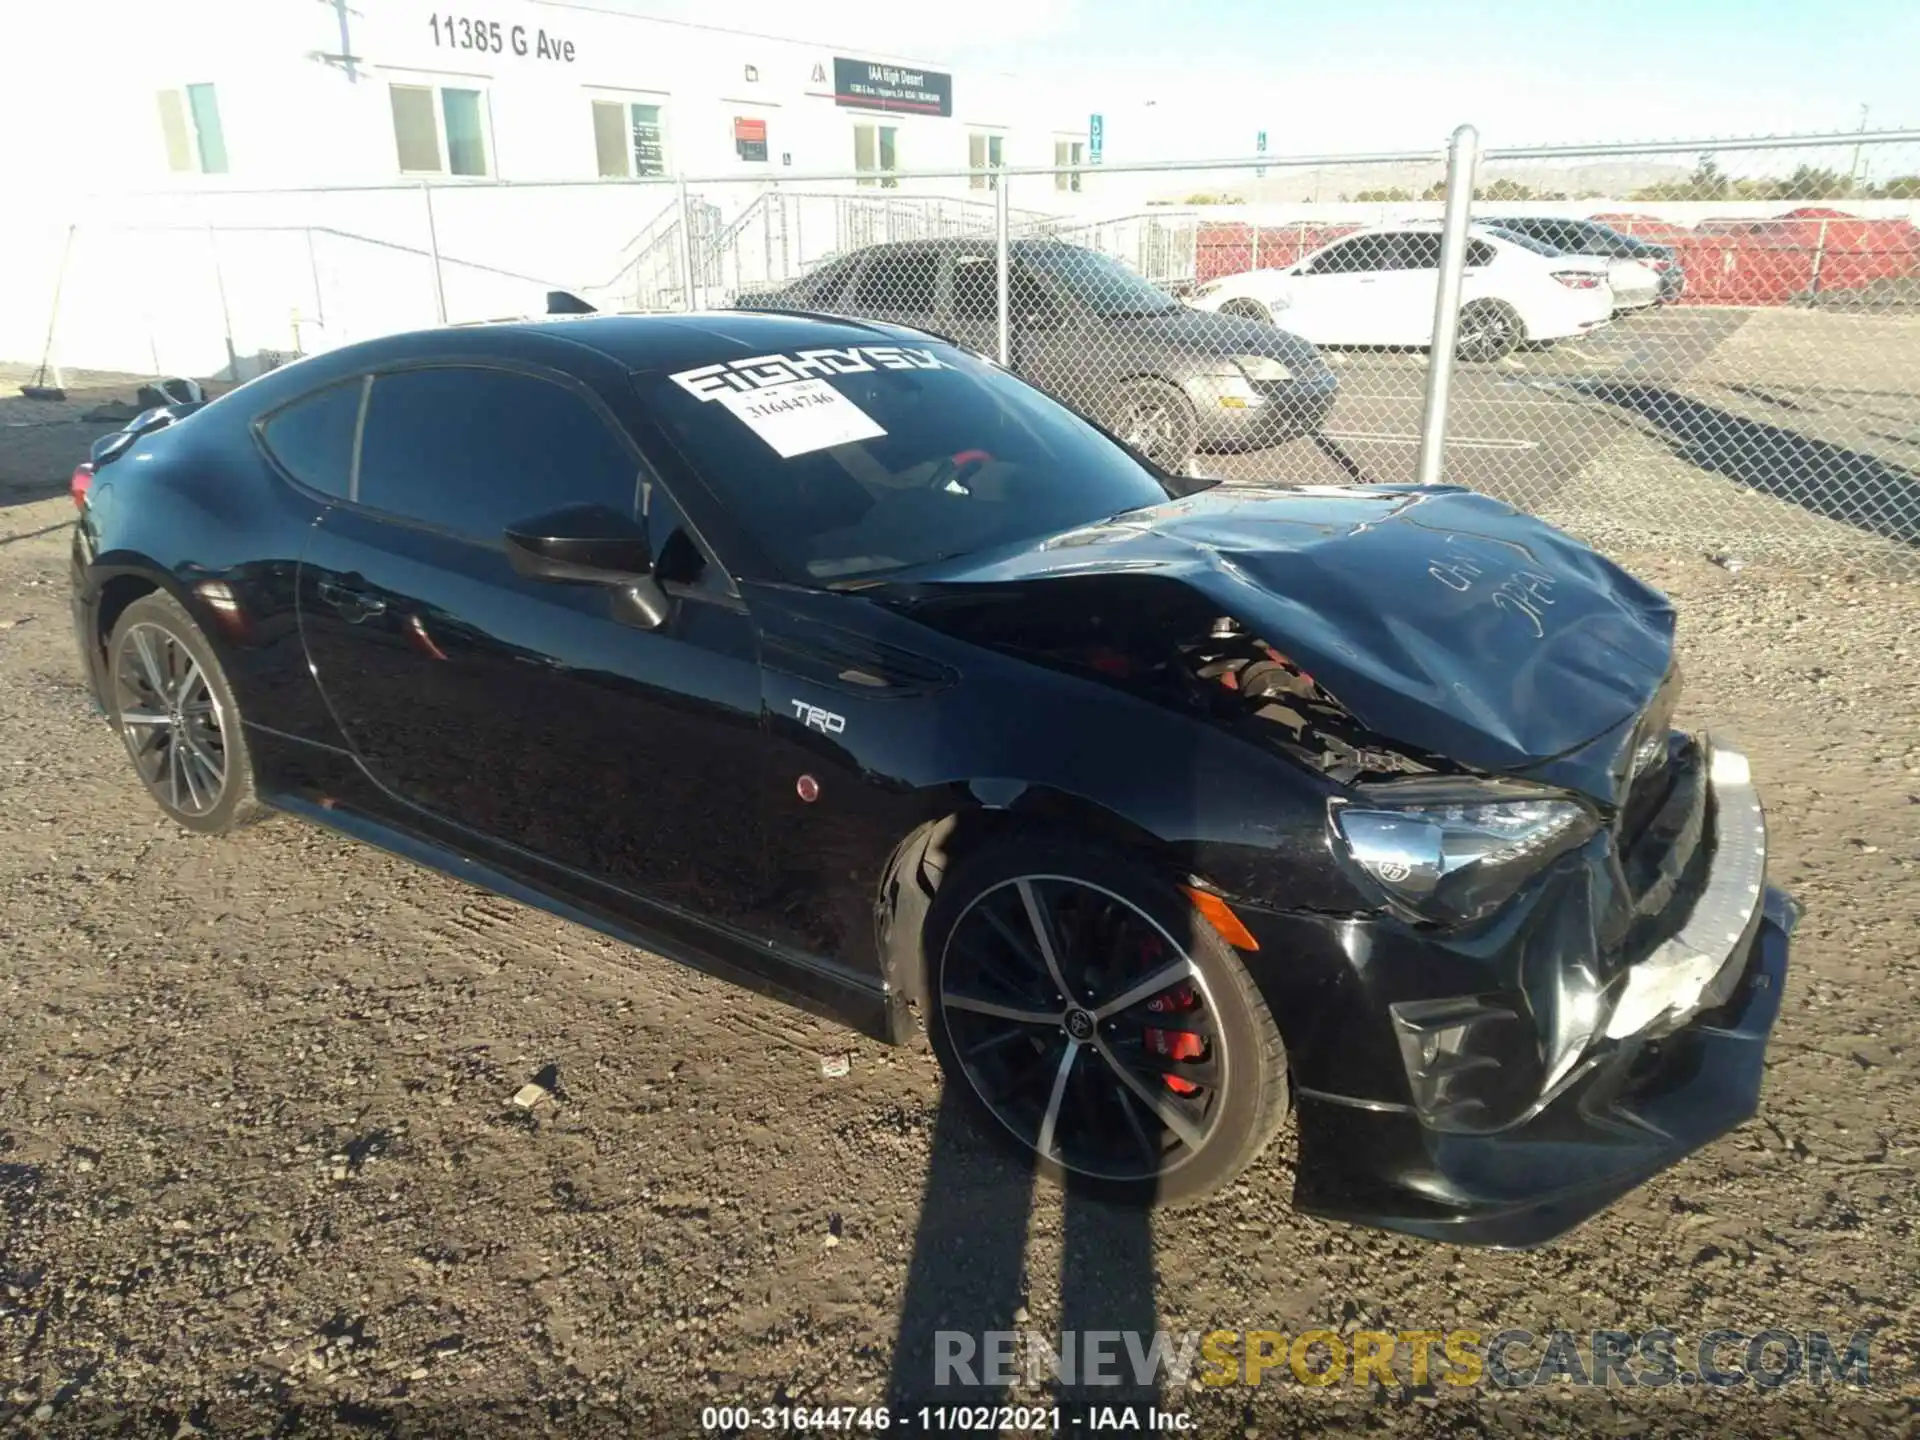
<point x="259" y="1160"/>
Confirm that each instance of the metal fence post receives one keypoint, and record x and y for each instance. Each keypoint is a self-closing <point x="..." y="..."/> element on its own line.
<point x="686" y="246"/>
<point x="226" y="313"/>
<point x="319" y="294"/>
<point x="1819" y="259"/>
<point x="50" y="355"/>
<point x="433" y="253"/>
<point x="1256" y="246"/>
<point x="1000" y="289"/>
<point x="1462" y="154"/>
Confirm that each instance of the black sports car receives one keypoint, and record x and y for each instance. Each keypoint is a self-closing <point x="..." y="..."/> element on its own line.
<point x="1165" y="377"/>
<point x="839" y="661"/>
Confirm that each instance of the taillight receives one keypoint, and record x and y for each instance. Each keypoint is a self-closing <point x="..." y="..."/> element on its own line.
<point x="1661" y="265"/>
<point x="1578" y="279"/>
<point x="82" y="480"/>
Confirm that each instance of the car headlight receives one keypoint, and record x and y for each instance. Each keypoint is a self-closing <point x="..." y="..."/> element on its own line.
<point x="1456" y="859"/>
<point x="1262" y="367"/>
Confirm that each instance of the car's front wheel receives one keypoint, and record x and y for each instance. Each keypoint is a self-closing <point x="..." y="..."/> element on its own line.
<point x="1112" y="1036"/>
<point x="1247" y="309"/>
<point x="1489" y="330"/>
<point x="1156" y="419"/>
<point x="170" y="701"/>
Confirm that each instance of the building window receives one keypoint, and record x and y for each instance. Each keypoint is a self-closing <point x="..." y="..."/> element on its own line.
<point x="439" y="130"/>
<point x="984" y="153"/>
<point x="629" y="140"/>
<point x="1068" y="152"/>
<point x="876" y="154"/>
<point x="750" y="139"/>
<point x="190" y="125"/>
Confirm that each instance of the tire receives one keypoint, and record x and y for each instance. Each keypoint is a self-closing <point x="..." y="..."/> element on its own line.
<point x="170" y="701"/>
<point x="1156" y="419"/>
<point x="1489" y="330"/>
<point x="1247" y="309"/>
<point x="1079" y="1092"/>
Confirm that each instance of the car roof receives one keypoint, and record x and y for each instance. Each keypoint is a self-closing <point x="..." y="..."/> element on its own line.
<point x="611" y="342"/>
<point x="1027" y="246"/>
<point x="1476" y="228"/>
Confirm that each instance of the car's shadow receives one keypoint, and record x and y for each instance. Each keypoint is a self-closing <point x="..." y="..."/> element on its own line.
<point x="968" y="1290"/>
<point x="1830" y="480"/>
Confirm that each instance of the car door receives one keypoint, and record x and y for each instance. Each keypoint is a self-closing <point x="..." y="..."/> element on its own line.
<point x="1336" y="297"/>
<point x="897" y="284"/>
<point x="1047" y="343"/>
<point x="547" y="717"/>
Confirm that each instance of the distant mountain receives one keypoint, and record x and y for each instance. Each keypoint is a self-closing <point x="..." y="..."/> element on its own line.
<point x="1610" y="178"/>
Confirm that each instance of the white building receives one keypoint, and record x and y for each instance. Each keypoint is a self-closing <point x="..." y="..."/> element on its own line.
<point x="310" y="92"/>
<point x="209" y="143"/>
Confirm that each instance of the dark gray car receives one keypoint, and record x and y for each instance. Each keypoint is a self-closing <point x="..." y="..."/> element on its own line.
<point x="1167" y="379"/>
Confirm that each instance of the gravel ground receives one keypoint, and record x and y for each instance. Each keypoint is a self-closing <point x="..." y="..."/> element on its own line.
<point x="260" y="1161"/>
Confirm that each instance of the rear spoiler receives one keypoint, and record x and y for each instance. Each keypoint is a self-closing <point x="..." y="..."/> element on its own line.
<point x="176" y="399"/>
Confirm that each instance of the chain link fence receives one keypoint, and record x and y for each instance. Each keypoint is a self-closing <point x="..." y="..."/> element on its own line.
<point x="1712" y="346"/>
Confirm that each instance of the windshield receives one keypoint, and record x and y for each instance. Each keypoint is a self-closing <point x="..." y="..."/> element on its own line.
<point x="1100" y="282"/>
<point x="1525" y="242"/>
<point x="886" y="468"/>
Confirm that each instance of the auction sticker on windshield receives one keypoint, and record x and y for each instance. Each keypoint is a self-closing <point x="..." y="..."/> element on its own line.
<point x="802" y="416"/>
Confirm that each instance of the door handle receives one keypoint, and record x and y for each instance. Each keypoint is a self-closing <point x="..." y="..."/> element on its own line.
<point x="353" y="605"/>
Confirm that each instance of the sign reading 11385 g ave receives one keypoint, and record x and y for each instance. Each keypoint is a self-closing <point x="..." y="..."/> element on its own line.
<point x="490" y="37"/>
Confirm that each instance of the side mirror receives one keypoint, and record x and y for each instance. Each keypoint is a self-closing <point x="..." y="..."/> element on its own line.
<point x="587" y="544"/>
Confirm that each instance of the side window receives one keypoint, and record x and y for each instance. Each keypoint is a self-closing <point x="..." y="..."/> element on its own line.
<point x="825" y="286"/>
<point x="470" y="450"/>
<point x="1356" y="256"/>
<point x="900" y="281"/>
<point x="1478" y="253"/>
<point x="312" y="439"/>
<point x="975" y="292"/>
<point x="1418" y="250"/>
<point x="679" y="559"/>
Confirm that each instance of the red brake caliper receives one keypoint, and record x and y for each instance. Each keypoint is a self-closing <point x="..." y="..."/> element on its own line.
<point x="1175" y="1044"/>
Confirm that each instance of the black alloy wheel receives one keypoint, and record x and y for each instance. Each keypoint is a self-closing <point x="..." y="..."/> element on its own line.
<point x="170" y="701"/>
<point x="1107" y="1030"/>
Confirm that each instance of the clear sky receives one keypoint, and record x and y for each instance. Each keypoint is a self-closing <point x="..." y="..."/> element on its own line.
<point x="1384" y="74"/>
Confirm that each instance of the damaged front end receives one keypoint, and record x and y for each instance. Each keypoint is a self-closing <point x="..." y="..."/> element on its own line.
<point x="1571" y="963"/>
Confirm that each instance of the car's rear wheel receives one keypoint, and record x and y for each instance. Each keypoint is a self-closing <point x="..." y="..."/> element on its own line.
<point x="1247" y="309"/>
<point x="1113" y="1038"/>
<point x="170" y="700"/>
<point x="1156" y="419"/>
<point x="1489" y="330"/>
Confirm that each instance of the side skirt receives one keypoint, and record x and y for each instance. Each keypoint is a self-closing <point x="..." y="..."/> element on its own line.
<point x="816" y="986"/>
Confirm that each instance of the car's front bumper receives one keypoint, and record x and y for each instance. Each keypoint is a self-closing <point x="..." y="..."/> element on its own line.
<point x="1674" y="1061"/>
<point x="1645" y="1106"/>
<point x="1237" y="415"/>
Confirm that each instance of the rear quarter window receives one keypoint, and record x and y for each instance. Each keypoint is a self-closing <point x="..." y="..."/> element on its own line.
<point x="312" y="439"/>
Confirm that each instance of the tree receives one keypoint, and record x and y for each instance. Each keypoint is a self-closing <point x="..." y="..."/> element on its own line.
<point x="1707" y="182"/>
<point x="1901" y="187"/>
<point x="1390" y="197"/>
<point x="1501" y="189"/>
<point x="1809" y="182"/>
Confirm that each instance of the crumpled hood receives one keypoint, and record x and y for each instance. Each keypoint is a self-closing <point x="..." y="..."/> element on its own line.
<point x="1442" y="619"/>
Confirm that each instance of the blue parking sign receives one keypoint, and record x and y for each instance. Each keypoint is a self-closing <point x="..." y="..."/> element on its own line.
<point x="1096" y="137"/>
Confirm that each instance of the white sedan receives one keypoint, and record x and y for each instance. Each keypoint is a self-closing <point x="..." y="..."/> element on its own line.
<point x="1635" y="284"/>
<point x="1377" y="287"/>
